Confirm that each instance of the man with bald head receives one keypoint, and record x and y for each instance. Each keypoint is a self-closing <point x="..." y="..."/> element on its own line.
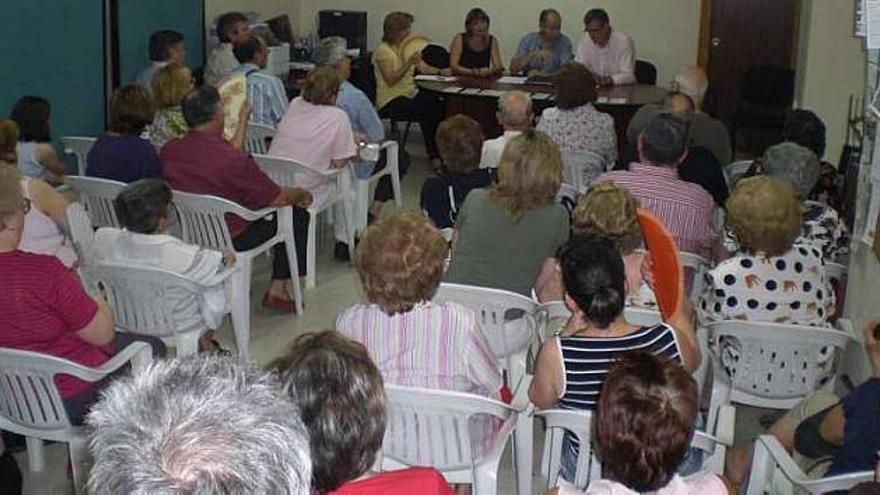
<point x="690" y="83"/>
<point x="515" y="115"/>
<point x="543" y="52"/>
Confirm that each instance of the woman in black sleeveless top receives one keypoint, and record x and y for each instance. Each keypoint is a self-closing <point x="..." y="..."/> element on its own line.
<point x="475" y="52"/>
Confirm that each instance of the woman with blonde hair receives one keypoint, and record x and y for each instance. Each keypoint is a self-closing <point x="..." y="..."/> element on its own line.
<point x="771" y="278"/>
<point x="505" y="233"/>
<point x="170" y="85"/>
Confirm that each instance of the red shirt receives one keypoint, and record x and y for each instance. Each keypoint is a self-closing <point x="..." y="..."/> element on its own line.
<point x="204" y="163"/>
<point x="415" y="480"/>
<point x="42" y="307"/>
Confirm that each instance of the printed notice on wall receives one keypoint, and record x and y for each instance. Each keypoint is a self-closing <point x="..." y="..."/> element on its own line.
<point x="871" y="17"/>
<point x="860" y="29"/>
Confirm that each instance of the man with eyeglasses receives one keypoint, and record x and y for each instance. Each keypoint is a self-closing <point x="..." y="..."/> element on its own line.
<point x="609" y="55"/>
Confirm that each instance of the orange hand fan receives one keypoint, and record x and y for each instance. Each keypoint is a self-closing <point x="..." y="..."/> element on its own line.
<point x="668" y="272"/>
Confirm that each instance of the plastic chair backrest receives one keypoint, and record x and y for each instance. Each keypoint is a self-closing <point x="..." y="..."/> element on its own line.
<point x="78" y="146"/>
<point x="734" y="171"/>
<point x="581" y="169"/>
<point x="775" y="365"/>
<point x="646" y="72"/>
<point x="97" y="196"/>
<point x="256" y="140"/>
<point x="28" y="395"/>
<point x="137" y="297"/>
<point x="433" y="427"/>
<point x="202" y="219"/>
<point x="694" y="268"/>
<point x="81" y="231"/>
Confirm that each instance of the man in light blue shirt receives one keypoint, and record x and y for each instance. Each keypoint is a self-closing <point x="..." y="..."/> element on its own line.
<point x="166" y="46"/>
<point x="543" y="52"/>
<point x="266" y="94"/>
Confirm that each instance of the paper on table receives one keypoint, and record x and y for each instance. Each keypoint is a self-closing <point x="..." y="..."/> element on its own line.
<point x="434" y="77"/>
<point x="470" y="91"/>
<point x="452" y="89"/>
<point x="492" y="92"/>
<point x="612" y="101"/>
<point x="512" y="80"/>
<point x="540" y="96"/>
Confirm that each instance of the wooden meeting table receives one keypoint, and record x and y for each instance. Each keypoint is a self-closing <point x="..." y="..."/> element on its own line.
<point x="478" y="99"/>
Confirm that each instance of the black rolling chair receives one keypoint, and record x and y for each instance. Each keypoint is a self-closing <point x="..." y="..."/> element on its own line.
<point x="766" y="94"/>
<point x="646" y="72"/>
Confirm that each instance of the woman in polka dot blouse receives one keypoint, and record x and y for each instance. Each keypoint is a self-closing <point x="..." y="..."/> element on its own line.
<point x="771" y="278"/>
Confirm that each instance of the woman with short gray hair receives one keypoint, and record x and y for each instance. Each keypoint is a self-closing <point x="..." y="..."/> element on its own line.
<point x="799" y="167"/>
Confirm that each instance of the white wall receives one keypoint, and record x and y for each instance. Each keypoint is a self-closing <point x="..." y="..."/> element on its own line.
<point x="665" y="31"/>
<point x="832" y="66"/>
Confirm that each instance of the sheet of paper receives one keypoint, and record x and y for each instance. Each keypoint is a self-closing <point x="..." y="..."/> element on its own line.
<point x="611" y="101"/>
<point x="492" y="92"/>
<point x="541" y="96"/>
<point x="470" y="91"/>
<point x="512" y="80"/>
<point x="433" y="77"/>
<point x="871" y="16"/>
<point x="452" y="89"/>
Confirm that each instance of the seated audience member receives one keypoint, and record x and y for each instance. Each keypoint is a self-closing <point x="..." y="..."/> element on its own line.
<point x="605" y="210"/>
<point x="644" y="425"/>
<point x="365" y="121"/>
<point x="45" y="223"/>
<point x="198" y="425"/>
<point x="44" y="308"/>
<point x="166" y="47"/>
<point x="475" y="52"/>
<point x="828" y="436"/>
<point x="317" y="134"/>
<point x="144" y="210"/>
<point x="515" y="115"/>
<point x="707" y="132"/>
<point x="121" y="154"/>
<point x="221" y="61"/>
<point x="10" y="473"/>
<point x="36" y="155"/>
<point x="459" y="139"/>
<point x="397" y="96"/>
<point x="346" y="427"/>
<point x="770" y="278"/>
<point x="700" y="166"/>
<point x="170" y="84"/>
<point x="611" y="56"/>
<point x="202" y="162"/>
<point x="823" y="227"/>
<point x="575" y="124"/>
<point x="266" y="93"/>
<point x="571" y="367"/>
<point x="807" y="129"/>
<point x="400" y="261"/>
<point x="543" y="52"/>
<point x="686" y="209"/>
<point x="504" y="234"/>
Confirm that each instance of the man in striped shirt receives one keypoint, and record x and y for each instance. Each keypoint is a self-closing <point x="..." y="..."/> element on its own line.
<point x="266" y="93"/>
<point x="686" y="209"/>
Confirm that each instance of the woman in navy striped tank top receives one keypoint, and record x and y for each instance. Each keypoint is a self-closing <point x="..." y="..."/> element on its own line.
<point x="571" y="368"/>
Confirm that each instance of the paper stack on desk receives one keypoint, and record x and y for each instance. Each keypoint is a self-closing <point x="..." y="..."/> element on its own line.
<point x="451" y="89"/>
<point x="432" y="77"/>
<point x="512" y="80"/>
<point x="612" y="101"/>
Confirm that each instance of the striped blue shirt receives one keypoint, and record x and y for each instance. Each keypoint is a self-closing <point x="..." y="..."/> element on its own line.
<point x="266" y="94"/>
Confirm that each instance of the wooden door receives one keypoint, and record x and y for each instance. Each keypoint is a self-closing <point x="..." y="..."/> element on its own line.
<point x="738" y="34"/>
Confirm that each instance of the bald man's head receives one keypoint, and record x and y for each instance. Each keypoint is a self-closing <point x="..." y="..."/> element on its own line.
<point x="677" y="102"/>
<point x="515" y="110"/>
<point x="692" y="81"/>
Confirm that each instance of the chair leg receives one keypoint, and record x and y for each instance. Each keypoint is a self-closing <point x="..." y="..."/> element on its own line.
<point x="290" y="247"/>
<point x="310" y="250"/>
<point x="240" y="308"/>
<point x="523" y="447"/>
<point x="79" y="462"/>
<point x="395" y="186"/>
<point x="36" y="454"/>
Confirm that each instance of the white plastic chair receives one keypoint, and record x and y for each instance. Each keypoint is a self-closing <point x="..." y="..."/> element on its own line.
<point x="774" y="471"/>
<point x="431" y="428"/>
<point x="284" y="172"/>
<point x="257" y="137"/>
<point x="80" y="147"/>
<point x="509" y="339"/>
<point x="734" y="171"/>
<point x="81" y="232"/>
<point x="31" y="405"/>
<point x="137" y="298"/>
<point x="202" y="222"/>
<point x="771" y="365"/>
<point x="97" y="196"/>
<point x="580" y="169"/>
<point x="836" y="271"/>
<point x="695" y="268"/>
<point x="579" y="423"/>
<point x="362" y="187"/>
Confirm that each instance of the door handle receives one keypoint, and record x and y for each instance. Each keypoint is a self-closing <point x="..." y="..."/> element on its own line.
<point x="715" y="41"/>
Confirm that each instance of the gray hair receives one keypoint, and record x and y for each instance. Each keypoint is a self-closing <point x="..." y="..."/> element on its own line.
<point x="200" y="105"/>
<point x="794" y="164"/>
<point x="200" y="425"/>
<point x="330" y="51"/>
<point x="515" y="108"/>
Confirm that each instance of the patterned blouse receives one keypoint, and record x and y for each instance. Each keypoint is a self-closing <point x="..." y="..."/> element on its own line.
<point x="791" y="288"/>
<point x="168" y="124"/>
<point x="581" y="129"/>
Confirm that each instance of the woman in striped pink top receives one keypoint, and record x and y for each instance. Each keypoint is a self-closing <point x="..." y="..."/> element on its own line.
<point x="413" y="341"/>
